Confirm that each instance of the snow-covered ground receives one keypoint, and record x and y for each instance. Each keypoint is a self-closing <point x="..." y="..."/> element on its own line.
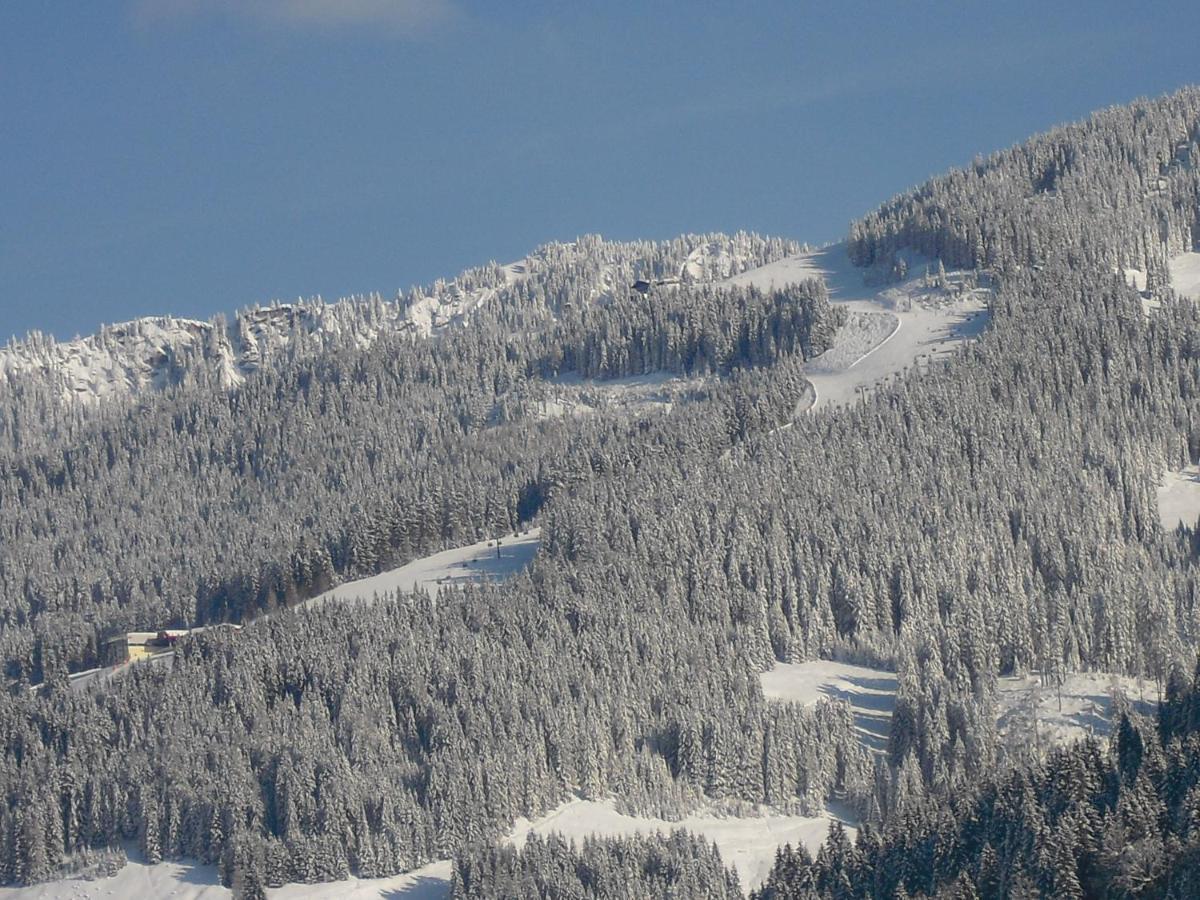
<point x="871" y="693"/>
<point x="1082" y="707"/>
<point x="1185" y="274"/>
<point x="929" y="321"/>
<point x="1178" y="498"/>
<point x="570" y="395"/>
<point x="1086" y="703"/>
<point x="193" y="881"/>
<point x="747" y="842"/>
<point x="482" y="561"/>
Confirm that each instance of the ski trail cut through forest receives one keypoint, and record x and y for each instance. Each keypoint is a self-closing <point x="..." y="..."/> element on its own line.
<point x="916" y="320"/>
<point x="472" y="564"/>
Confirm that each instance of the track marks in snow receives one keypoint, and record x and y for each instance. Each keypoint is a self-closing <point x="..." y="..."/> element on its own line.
<point x="475" y="563"/>
<point x="930" y="321"/>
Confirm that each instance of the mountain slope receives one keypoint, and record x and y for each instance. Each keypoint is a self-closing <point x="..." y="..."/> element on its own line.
<point x="154" y="353"/>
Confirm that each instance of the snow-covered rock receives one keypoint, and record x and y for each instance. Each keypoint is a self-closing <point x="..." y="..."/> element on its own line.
<point x="154" y="353"/>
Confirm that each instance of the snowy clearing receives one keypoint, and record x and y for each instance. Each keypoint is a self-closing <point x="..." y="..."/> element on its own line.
<point x="193" y="881"/>
<point x="1084" y="709"/>
<point x="1086" y="701"/>
<point x="571" y="395"/>
<point x="930" y="320"/>
<point x="871" y="693"/>
<point x="1178" y="498"/>
<point x="474" y="563"/>
<point x="1185" y="274"/>
<point x="1136" y="279"/>
<point x="747" y="843"/>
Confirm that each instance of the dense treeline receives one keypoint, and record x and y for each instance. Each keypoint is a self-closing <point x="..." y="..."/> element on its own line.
<point x="712" y="329"/>
<point x="1125" y="184"/>
<point x="678" y="865"/>
<point x="1090" y="821"/>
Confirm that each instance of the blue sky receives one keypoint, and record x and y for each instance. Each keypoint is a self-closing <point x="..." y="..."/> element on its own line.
<point x="196" y="156"/>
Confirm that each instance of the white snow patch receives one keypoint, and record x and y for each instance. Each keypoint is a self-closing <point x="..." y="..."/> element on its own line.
<point x="1185" y="274"/>
<point x="930" y="320"/>
<point x="1086" y="704"/>
<point x="871" y="693"/>
<point x="1135" y="278"/>
<point x="1178" y="498"/>
<point x="748" y="843"/>
<point x="571" y="395"/>
<point x="1082" y="707"/>
<point x="193" y="881"/>
<point x="474" y="563"/>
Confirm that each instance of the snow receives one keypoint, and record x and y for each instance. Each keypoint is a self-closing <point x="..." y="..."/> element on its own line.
<point x="914" y="322"/>
<point x="1085" y="707"/>
<point x="193" y="881"/>
<point x="571" y="395"/>
<point x="1086" y="704"/>
<point x="871" y="693"/>
<point x="1185" y="274"/>
<point x="1135" y="278"/>
<point x="473" y="563"/>
<point x="748" y="843"/>
<point x="154" y="352"/>
<point x="1178" y="498"/>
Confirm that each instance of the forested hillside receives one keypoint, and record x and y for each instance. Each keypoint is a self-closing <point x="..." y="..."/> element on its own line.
<point x="989" y="515"/>
<point x="204" y="504"/>
<point x="1089" y="821"/>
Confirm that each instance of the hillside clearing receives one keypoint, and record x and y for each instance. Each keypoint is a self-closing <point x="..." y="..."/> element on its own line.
<point x="747" y="843"/>
<point x="871" y="693"/>
<point x="1178" y="498"/>
<point x="1185" y="274"/>
<point x="930" y="320"/>
<point x="1081" y="707"/>
<point x="471" y="564"/>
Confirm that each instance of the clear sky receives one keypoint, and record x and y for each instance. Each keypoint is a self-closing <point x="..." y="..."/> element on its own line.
<point x="196" y="156"/>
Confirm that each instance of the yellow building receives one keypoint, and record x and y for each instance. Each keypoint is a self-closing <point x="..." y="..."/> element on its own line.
<point x="135" y="645"/>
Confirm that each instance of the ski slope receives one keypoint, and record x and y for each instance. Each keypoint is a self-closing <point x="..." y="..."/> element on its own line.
<point x="913" y="323"/>
<point x="474" y="563"/>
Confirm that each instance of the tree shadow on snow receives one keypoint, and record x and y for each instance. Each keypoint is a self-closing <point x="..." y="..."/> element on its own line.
<point x="422" y="888"/>
<point x="872" y="701"/>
